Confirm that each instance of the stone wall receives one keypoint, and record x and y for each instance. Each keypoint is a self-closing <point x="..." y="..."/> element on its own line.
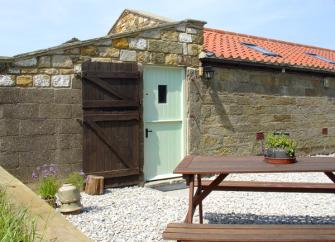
<point x="40" y="92"/>
<point x="226" y="112"/>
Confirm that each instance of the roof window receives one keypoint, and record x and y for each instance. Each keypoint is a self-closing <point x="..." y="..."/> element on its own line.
<point x="260" y="49"/>
<point x="320" y="57"/>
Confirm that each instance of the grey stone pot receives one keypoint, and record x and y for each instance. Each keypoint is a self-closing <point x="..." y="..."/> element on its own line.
<point x="277" y="153"/>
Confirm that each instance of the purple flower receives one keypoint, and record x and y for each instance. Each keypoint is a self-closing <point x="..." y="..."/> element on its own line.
<point x="34" y="175"/>
<point x="81" y="173"/>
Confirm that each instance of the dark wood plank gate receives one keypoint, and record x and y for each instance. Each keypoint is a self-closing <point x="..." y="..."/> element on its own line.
<point x="112" y="124"/>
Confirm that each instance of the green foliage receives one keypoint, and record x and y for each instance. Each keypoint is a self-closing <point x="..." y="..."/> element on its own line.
<point x="76" y="179"/>
<point x="15" y="223"/>
<point x="48" y="187"/>
<point x="281" y="141"/>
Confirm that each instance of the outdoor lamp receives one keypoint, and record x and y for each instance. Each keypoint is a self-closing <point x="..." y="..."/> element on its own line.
<point x="209" y="72"/>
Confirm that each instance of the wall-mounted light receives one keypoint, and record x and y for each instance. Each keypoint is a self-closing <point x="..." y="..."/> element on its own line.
<point x="326" y="83"/>
<point x="209" y="72"/>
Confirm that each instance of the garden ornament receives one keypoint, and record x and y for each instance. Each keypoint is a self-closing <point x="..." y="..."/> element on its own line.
<point x="69" y="198"/>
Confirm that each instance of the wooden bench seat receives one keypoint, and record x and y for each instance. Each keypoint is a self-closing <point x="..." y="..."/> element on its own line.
<point x="249" y="233"/>
<point x="257" y="186"/>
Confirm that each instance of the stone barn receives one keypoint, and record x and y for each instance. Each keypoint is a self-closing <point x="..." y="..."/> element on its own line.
<point x="130" y="105"/>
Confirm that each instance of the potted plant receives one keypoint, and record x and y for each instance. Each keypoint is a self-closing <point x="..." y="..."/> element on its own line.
<point x="280" y="148"/>
<point x="48" y="182"/>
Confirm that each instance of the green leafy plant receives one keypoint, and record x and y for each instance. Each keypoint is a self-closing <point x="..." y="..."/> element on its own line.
<point x="77" y="179"/>
<point x="16" y="224"/>
<point x="48" y="187"/>
<point x="48" y="182"/>
<point x="281" y="141"/>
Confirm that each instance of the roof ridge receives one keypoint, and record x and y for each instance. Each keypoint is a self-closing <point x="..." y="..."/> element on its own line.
<point x="268" y="39"/>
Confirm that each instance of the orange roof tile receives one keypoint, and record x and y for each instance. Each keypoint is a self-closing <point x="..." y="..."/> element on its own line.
<point x="228" y="45"/>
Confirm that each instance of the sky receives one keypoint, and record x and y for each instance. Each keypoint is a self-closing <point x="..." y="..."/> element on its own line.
<point x="28" y="25"/>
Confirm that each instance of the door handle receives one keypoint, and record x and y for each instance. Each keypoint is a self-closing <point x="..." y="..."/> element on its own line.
<point x="147" y="131"/>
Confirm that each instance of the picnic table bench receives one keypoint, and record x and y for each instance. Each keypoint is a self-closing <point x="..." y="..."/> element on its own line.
<point x="193" y="168"/>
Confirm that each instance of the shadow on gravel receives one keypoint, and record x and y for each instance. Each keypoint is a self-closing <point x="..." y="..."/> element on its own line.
<point x="236" y="218"/>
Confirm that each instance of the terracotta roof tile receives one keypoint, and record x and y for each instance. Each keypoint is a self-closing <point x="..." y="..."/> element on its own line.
<point x="228" y="45"/>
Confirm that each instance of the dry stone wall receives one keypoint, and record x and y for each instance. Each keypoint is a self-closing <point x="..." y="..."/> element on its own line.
<point x="40" y="93"/>
<point x="226" y="113"/>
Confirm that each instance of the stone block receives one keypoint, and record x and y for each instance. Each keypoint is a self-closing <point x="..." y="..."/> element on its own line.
<point x="77" y="69"/>
<point x="106" y="42"/>
<point x="69" y="126"/>
<point x="69" y="141"/>
<point x="68" y="96"/>
<point x="88" y="51"/>
<point x="77" y="111"/>
<point x="37" y="158"/>
<point x="61" y="81"/>
<point x="108" y="52"/>
<point x="157" y="58"/>
<point x="44" y="61"/>
<point x="68" y="156"/>
<point x="99" y="59"/>
<point x="181" y="27"/>
<point x="9" y="95"/>
<point x="76" y="82"/>
<point x="9" y="160"/>
<point x="20" y="111"/>
<point x="165" y="47"/>
<point x="185" y="38"/>
<point x="143" y="56"/>
<point x="72" y="51"/>
<point x="33" y="95"/>
<point x="26" y="63"/>
<point x="193" y="49"/>
<point x="24" y="81"/>
<point x="6" y="81"/>
<point x="151" y="34"/>
<point x="191" y="31"/>
<point x="61" y="61"/>
<point x="121" y="43"/>
<point x="55" y="111"/>
<point x="37" y="127"/>
<point x="128" y="55"/>
<point x="28" y="70"/>
<point x="185" y="49"/>
<point x="281" y="118"/>
<point x="9" y="127"/>
<point x="66" y="71"/>
<point x="169" y="35"/>
<point x="49" y="71"/>
<point x="13" y="70"/>
<point x="171" y="59"/>
<point x="27" y="143"/>
<point x="138" y="43"/>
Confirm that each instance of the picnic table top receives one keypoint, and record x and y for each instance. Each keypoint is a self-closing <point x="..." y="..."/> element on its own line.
<point x="192" y="164"/>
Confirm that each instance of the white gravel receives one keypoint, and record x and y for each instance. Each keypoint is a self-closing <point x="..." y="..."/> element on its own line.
<point x="141" y="214"/>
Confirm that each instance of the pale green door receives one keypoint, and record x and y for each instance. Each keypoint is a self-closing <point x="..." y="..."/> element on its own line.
<point x="163" y="120"/>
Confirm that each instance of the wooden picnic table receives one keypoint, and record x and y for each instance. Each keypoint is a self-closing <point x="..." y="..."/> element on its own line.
<point x="198" y="166"/>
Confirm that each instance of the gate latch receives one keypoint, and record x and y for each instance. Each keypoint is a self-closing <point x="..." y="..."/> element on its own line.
<point x="147" y="131"/>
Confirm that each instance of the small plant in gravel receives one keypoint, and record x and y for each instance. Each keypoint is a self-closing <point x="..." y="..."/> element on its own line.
<point x="77" y="179"/>
<point x="16" y="223"/>
<point x="48" y="181"/>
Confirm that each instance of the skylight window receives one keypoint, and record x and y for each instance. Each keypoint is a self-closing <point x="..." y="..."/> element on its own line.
<point x="260" y="49"/>
<point x="320" y="57"/>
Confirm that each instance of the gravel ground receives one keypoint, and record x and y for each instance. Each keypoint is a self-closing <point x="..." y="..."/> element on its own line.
<point x="141" y="214"/>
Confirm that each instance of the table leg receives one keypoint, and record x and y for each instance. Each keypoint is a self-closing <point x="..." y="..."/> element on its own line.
<point x="331" y="176"/>
<point x="189" y="216"/>
<point x="200" y="203"/>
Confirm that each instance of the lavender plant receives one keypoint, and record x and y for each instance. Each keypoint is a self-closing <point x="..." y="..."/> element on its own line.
<point x="48" y="182"/>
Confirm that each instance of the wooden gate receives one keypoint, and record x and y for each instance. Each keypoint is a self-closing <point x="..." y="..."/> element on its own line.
<point x="111" y="104"/>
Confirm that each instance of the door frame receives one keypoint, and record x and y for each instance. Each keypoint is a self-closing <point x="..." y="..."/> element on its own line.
<point x="184" y="125"/>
